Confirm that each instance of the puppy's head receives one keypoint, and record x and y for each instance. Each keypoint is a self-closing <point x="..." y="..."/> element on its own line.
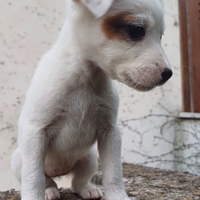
<point x="123" y="37"/>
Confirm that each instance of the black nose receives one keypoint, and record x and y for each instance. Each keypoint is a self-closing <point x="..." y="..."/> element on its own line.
<point x="166" y="74"/>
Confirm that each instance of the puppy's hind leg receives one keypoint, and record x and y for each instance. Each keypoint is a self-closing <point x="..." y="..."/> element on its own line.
<point x="83" y="172"/>
<point x="16" y="164"/>
<point x="34" y="143"/>
<point x="51" y="191"/>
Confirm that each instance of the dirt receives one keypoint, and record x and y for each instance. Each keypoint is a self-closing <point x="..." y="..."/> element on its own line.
<point x="152" y="184"/>
<point x="143" y="183"/>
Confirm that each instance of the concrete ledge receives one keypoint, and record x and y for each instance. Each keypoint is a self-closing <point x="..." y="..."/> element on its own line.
<point x="144" y="183"/>
<point x="189" y="115"/>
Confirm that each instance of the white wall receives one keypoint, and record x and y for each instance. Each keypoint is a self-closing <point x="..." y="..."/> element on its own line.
<point x="152" y="133"/>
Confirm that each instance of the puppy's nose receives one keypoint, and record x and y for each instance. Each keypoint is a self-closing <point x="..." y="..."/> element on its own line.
<point x="166" y="74"/>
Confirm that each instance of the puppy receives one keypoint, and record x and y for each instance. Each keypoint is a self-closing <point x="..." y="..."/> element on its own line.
<point x="71" y="103"/>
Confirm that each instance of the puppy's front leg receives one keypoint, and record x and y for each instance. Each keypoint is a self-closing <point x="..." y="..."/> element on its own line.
<point x="33" y="152"/>
<point x="109" y="145"/>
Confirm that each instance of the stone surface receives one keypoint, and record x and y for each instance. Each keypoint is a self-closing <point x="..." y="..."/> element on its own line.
<point x="143" y="183"/>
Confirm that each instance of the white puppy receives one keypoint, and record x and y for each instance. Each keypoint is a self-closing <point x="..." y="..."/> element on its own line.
<point x="71" y="102"/>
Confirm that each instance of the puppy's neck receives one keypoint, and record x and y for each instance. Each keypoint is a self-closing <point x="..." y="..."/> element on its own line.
<point x="80" y="67"/>
<point x="89" y="76"/>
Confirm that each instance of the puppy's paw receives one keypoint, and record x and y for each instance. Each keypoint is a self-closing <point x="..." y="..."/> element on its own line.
<point x="52" y="193"/>
<point x="89" y="192"/>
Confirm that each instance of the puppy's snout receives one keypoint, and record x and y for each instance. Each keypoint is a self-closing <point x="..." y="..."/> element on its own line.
<point x="166" y="74"/>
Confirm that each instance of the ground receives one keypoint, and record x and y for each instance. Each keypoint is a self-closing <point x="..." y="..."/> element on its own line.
<point x="143" y="183"/>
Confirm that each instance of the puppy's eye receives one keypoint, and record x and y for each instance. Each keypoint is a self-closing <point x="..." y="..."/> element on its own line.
<point x="136" y="32"/>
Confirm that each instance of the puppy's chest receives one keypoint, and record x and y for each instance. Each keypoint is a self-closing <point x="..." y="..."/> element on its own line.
<point x="81" y="114"/>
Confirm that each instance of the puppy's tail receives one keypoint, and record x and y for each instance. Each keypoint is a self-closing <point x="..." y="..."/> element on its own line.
<point x="97" y="179"/>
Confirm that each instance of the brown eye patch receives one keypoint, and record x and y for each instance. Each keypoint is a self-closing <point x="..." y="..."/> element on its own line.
<point x="114" y="27"/>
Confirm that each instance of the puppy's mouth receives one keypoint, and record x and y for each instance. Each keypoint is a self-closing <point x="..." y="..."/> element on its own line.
<point x="146" y="86"/>
<point x="140" y="87"/>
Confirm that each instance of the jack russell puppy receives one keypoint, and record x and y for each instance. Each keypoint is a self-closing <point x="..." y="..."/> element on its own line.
<point x="72" y="104"/>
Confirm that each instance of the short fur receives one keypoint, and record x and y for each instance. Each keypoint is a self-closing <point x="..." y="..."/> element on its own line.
<point x="71" y="103"/>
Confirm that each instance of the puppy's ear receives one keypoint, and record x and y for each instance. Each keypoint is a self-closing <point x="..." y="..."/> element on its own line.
<point x="98" y="7"/>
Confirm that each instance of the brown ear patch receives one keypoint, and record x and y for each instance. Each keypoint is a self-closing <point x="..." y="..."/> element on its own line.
<point x="114" y="27"/>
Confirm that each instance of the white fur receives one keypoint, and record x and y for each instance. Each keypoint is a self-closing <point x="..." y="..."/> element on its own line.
<point x="98" y="7"/>
<point x="71" y="102"/>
